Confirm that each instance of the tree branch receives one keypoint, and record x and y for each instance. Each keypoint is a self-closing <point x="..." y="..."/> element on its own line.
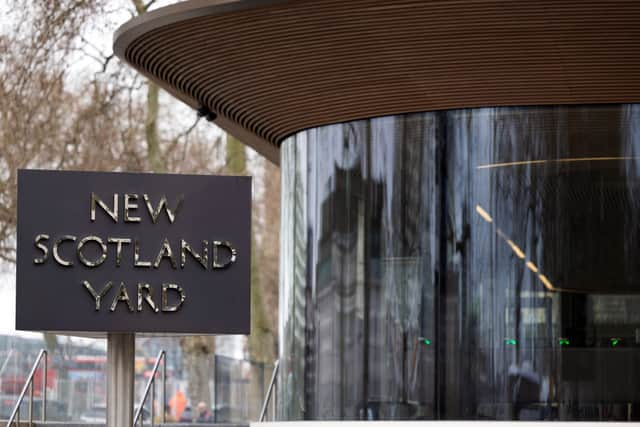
<point x="105" y="64"/>
<point x="7" y="258"/>
<point x="149" y="4"/>
<point x="184" y="134"/>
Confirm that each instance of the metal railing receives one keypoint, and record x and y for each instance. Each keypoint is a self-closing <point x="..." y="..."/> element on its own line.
<point x="15" y="414"/>
<point x="6" y="362"/>
<point x="151" y="388"/>
<point x="272" y="386"/>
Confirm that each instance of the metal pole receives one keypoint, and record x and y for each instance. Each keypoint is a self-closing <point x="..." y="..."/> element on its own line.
<point x="31" y="402"/>
<point x="273" y="403"/>
<point x="266" y="402"/>
<point x="215" y="388"/>
<point x="6" y="362"/>
<point x="164" y="388"/>
<point x="44" y="389"/>
<point x="153" y="398"/>
<point x="120" y="379"/>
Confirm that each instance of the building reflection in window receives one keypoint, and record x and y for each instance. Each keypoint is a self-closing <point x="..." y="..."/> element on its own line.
<point x="470" y="264"/>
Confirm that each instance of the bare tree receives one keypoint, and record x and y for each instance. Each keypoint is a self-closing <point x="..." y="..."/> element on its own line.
<point x="108" y="119"/>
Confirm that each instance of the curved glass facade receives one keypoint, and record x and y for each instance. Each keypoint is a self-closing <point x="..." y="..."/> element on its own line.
<point x="468" y="264"/>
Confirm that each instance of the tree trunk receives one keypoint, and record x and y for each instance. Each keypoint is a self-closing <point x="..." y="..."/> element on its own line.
<point x="196" y="350"/>
<point x="260" y="339"/>
<point x="157" y="162"/>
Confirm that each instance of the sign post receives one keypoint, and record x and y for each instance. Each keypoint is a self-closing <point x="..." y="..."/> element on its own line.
<point x="120" y="379"/>
<point x="115" y="254"/>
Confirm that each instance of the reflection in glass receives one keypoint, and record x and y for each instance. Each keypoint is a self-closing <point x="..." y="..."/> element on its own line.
<point x="469" y="264"/>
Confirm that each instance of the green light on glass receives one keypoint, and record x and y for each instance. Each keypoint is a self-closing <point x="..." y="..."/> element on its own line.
<point x="563" y="342"/>
<point x="615" y="342"/>
<point x="510" y="341"/>
<point x="425" y="341"/>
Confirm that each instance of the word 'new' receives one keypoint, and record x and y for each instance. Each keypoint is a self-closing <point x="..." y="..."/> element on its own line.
<point x="130" y="205"/>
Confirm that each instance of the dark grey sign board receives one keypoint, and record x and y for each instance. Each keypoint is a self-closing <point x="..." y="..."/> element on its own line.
<point x="133" y="252"/>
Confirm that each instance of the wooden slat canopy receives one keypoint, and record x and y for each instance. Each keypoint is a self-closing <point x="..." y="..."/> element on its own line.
<point x="270" y="68"/>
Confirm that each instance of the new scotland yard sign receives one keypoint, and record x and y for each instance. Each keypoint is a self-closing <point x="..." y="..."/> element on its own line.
<point x="133" y="252"/>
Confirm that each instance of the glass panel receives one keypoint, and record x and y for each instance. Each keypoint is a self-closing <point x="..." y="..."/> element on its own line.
<point x="293" y="281"/>
<point x="470" y="264"/>
<point x="544" y="206"/>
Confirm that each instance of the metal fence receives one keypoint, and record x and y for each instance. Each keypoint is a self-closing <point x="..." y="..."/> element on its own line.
<point x="237" y="388"/>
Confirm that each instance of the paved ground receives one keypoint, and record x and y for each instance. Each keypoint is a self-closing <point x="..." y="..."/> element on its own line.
<point x="61" y="424"/>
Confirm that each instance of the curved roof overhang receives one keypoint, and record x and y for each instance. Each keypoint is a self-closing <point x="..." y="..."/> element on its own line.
<point x="269" y="68"/>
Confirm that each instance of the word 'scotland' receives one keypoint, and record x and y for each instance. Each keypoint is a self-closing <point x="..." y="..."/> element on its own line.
<point x="93" y="251"/>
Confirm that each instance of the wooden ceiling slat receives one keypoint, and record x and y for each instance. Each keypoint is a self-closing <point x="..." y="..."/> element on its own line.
<point x="272" y="68"/>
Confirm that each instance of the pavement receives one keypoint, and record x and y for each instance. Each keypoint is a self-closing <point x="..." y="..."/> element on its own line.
<point x="72" y="424"/>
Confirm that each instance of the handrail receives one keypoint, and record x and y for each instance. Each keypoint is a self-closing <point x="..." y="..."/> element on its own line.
<point x="274" y="375"/>
<point x="151" y="387"/>
<point x="6" y="362"/>
<point x="15" y="414"/>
